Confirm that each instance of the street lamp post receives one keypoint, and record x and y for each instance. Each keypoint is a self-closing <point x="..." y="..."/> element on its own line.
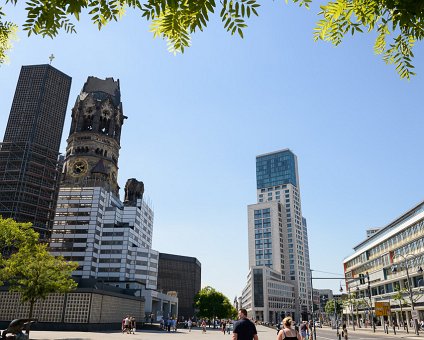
<point x="351" y="307"/>
<point x="370" y="297"/>
<point x="356" y="305"/>
<point x="312" y="309"/>
<point x="409" y="284"/>
<point x="350" y="303"/>
<point x="336" y="316"/>
<point x="323" y="300"/>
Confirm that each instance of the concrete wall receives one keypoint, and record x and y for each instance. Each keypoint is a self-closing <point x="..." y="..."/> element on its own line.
<point x="85" y="309"/>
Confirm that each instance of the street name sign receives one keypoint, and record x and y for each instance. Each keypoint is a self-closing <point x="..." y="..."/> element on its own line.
<point x="382" y="308"/>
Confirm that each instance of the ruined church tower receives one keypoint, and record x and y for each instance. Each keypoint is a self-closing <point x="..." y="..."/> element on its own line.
<point x="94" y="139"/>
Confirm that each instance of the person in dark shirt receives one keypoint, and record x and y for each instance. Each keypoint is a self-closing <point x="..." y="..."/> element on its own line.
<point x="244" y="329"/>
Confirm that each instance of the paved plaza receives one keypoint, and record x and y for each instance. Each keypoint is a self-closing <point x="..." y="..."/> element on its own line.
<point x="264" y="333"/>
<point x="181" y="334"/>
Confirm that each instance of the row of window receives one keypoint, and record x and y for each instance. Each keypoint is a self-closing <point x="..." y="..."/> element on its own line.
<point x="262" y="213"/>
<point x="412" y="231"/>
<point x="266" y="263"/>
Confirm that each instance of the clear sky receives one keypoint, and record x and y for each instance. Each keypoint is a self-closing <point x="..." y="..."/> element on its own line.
<point x="197" y="121"/>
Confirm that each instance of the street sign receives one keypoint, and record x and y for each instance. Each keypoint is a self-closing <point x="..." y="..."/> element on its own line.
<point x="414" y="314"/>
<point x="382" y="308"/>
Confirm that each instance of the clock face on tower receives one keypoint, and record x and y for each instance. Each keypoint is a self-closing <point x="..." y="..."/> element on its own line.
<point x="79" y="167"/>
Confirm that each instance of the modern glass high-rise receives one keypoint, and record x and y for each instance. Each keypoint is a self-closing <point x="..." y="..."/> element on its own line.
<point x="277" y="168"/>
<point x="277" y="231"/>
<point x="30" y="148"/>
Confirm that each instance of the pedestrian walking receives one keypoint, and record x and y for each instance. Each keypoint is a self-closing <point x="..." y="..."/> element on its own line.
<point x="189" y="324"/>
<point x="304" y="330"/>
<point x="132" y="325"/>
<point x="228" y="327"/>
<point x="123" y="324"/>
<point x="287" y="332"/>
<point x="344" y="332"/>
<point x="244" y="329"/>
<point x="203" y="326"/>
<point x="127" y="324"/>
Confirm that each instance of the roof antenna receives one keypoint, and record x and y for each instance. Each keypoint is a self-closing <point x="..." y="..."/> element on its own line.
<point x="51" y="58"/>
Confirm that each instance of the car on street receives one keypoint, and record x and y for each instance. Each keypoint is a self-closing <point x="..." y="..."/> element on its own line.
<point x="317" y="324"/>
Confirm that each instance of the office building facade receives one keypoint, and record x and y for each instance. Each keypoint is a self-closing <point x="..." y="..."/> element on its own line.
<point x="183" y="275"/>
<point x="110" y="241"/>
<point x="267" y="296"/>
<point x="29" y="153"/>
<point x="277" y="232"/>
<point x="389" y="261"/>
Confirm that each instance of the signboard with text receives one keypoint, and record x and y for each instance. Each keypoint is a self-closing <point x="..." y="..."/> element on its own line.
<point x="382" y="308"/>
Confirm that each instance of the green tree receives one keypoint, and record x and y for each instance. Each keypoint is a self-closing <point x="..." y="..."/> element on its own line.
<point x="399" y="296"/>
<point x="35" y="273"/>
<point x="27" y="265"/>
<point x="404" y="19"/>
<point x="349" y="302"/>
<point x="213" y="304"/>
<point x="331" y="304"/>
<point x="15" y="235"/>
<point x="175" y="20"/>
<point x="358" y="305"/>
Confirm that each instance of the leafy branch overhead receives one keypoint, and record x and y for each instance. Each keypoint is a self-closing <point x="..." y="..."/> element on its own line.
<point x="403" y="19"/>
<point x="399" y="24"/>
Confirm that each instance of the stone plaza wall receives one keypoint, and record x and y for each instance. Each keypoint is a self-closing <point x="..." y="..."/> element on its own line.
<point x="83" y="309"/>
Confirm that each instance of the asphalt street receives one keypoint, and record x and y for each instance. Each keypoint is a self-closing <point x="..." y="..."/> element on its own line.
<point x="366" y="334"/>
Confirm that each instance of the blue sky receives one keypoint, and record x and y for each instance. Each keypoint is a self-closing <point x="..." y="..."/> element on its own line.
<point x="197" y="121"/>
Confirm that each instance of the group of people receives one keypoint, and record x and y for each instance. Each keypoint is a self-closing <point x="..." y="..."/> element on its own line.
<point x="243" y="329"/>
<point x="128" y="325"/>
<point x="169" y="324"/>
<point x="299" y="333"/>
<point x="188" y="324"/>
<point x="226" y="326"/>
